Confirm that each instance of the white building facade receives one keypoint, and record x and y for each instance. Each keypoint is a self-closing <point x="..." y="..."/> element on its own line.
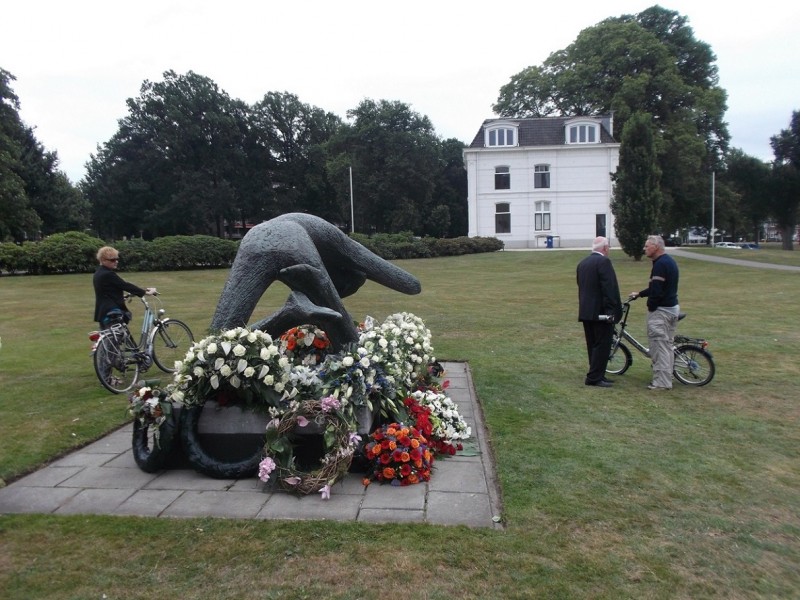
<point x="533" y="183"/>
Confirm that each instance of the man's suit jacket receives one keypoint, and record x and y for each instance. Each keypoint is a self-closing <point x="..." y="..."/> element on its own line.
<point x="598" y="290"/>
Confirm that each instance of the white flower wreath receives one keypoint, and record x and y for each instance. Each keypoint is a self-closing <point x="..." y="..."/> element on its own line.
<point x="246" y="362"/>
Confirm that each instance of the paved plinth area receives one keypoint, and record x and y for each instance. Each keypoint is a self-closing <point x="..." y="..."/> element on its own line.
<point x="103" y="478"/>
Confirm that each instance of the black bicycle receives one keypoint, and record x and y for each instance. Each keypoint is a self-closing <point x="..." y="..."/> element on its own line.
<point x="119" y="359"/>
<point x="694" y="365"/>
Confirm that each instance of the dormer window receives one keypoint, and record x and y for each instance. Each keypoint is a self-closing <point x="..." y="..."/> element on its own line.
<point x="583" y="133"/>
<point x="501" y="135"/>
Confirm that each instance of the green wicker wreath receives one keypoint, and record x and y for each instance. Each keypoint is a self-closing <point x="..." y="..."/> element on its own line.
<point x="323" y="419"/>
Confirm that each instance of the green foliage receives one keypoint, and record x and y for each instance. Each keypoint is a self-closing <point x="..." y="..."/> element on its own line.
<point x="462" y="245"/>
<point x="786" y="179"/>
<point x="405" y="245"/>
<point x="188" y="159"/>
<point x="13" y="257"/>
<point x="71" y="252"/>
<point x="636" y="201"/>
<point x="401" y="171"/>
<point x="178" y="252"/>
<point x="75" y="252"/>
<point x="35" y="197"/>
<point x="649" y="62"/>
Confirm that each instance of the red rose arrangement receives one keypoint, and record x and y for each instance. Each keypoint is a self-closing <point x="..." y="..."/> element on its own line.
<point x="421" y="415"/>
<point x="399" y="455"/>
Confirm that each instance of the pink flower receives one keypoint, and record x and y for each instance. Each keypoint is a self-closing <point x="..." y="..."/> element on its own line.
<point x="326" y="492"/>
<point x="265" y="467"/>
<point x="330" y="403"/>
<point x="302" y="421"/>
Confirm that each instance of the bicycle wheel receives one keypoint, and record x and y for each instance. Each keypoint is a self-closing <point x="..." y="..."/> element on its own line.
<point x="693" y="365"/>
<point x="620" y="360"/>
<point x="116" y="363"/>
<point x="170" y="343"/>
<point x="152" y="445"/>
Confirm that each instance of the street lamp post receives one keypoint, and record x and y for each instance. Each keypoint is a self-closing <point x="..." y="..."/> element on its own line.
<point x="713" y="230"/>
<point x="352" y="218"/>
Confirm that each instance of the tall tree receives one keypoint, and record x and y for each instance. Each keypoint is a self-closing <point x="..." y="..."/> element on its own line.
<point x="395" y="159"/>
<point x="451" y="192"/>
<point x="293" y="135"/>
<point x="17" y="219"/>
<point x="786" y="179"/>
<point x="748" y="178"/>
<point x="636" y="201"/>
<point x="35" y="196"/>
<point x="177" y="164"/>
<point x="650" y="62"/>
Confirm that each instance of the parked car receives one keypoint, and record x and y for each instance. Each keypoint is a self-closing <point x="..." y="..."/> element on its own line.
<point x="750" y="246"/>
<point x="730" y="245"/>
<point x="672" y="242"/>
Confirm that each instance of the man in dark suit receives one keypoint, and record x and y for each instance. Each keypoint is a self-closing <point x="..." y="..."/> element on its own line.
<point x="599" y="306"/>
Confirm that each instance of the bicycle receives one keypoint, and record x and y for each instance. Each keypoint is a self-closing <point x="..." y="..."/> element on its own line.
<point x="119" y="359"/>
<point x="694" y="365"/>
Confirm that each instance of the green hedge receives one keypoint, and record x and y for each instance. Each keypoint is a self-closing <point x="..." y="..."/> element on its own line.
<point x="405" y="245"/>
<point x="75" y="252"/>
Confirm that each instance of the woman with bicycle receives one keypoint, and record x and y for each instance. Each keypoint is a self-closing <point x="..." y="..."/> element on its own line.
<point x="109" y="287"/>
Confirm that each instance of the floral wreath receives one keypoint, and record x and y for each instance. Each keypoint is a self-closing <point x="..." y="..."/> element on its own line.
<point x="237" y="362"/>
<point x="151" y="407"/>
<point x="401" y="344"/>
<point x="339" y="442"/>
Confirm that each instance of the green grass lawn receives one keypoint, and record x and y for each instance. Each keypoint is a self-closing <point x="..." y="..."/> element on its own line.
<point x="607" y="493"/>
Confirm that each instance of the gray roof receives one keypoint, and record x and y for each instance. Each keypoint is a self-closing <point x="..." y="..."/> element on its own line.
<point x="544" y="131"/>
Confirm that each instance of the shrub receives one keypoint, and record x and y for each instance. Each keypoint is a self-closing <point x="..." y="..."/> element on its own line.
<point x="12" y="257"/>
<point x="135" y="254"/>
<point x="75" y="252"/>
<point x="71" y="252"/>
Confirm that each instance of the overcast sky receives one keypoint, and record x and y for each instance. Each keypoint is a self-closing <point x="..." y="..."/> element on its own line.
<point x="77" y="62"/>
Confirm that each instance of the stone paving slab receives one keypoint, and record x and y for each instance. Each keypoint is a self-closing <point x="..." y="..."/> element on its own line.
<point x="103" y="478"/>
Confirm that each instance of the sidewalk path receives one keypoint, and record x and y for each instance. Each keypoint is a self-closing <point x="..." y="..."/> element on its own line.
<point x="103" y="478"/>
<point x="732" y="260"/>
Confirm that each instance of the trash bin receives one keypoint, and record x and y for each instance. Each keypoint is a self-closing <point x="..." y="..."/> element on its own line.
<point x="548" y="241"/>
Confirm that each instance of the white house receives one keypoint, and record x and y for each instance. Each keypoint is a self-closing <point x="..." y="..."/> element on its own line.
<point x="534" y="181"/>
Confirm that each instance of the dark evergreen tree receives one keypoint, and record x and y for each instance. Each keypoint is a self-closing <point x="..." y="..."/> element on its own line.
<point x="293" y="135"/>
<point x="36" y="198"/>
<point x="636" y="201"/>
<point x="748" y="179"/>
<point x="786" y="179"/>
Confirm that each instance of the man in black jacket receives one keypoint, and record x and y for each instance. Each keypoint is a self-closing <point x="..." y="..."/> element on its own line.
<point x="599" y="306"/>
<point x="109" y="288"/>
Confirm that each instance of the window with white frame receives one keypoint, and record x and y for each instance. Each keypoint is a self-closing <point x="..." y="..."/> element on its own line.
<point x="541" y="176"/>
<point x="541" y="216"/>
<point x="502" y="178"/>
<point x="502" y="217"/>
<point x="584" y="133"/>
<point x="501" y="136"/>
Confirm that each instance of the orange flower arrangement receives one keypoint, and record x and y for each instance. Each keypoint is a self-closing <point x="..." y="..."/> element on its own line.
<point x="305" y="344"/>
<point x="399" y="455"/>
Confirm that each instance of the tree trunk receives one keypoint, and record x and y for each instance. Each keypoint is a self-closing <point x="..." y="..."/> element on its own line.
<point x="788" y="237"/>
